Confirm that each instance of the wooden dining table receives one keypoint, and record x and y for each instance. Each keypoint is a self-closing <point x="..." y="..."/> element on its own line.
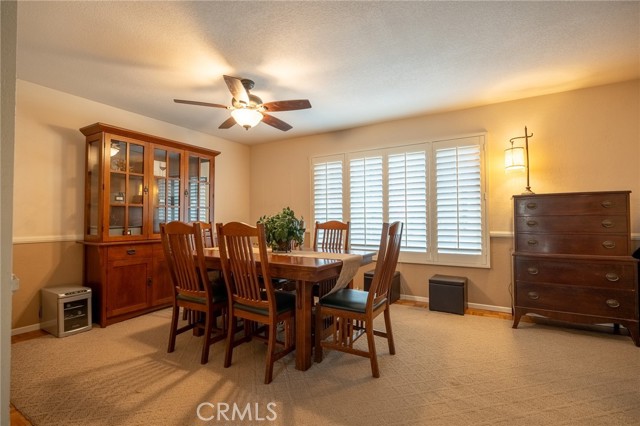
<point x="306" y="272"/>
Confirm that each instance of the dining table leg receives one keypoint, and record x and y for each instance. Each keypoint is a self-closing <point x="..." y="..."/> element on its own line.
<point x="304" y="304"/>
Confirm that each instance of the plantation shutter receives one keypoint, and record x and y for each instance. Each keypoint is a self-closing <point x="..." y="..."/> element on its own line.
<point x="459" y="207"/>
<point x="366" y="198"/>
<point x="407" y="189"/>
<point x="327" y="189"/>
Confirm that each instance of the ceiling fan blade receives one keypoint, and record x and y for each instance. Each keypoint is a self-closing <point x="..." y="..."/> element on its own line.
<point x="207" y="104"/>
<point x="229" y="122"/>
<point x="287" y="105"/>
<point x="237" y="89"/>
<point x="275" y="122"/>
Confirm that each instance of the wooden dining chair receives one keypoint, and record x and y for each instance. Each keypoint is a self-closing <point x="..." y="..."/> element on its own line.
<point x="251" y="293"/>
<point x="331" y="236"/>
<point x="209" y="237"/>
<point x="355" y="310"/>
<point x="209" y="240"/>
<point x="205" y="300"/>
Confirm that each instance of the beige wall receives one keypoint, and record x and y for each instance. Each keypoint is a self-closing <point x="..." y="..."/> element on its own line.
<point x="583" y="140"/>
<point x="49" y="185"/>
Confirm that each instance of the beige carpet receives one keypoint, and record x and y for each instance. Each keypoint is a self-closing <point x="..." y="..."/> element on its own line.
<point x="448" y="370"/>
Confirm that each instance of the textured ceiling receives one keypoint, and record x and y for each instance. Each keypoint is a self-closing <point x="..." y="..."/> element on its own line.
<point x="357" y="62"/>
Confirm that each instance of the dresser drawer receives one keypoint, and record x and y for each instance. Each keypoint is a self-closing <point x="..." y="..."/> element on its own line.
<point x="596" y="244"/>
<point x="572" y="225"/>
<point x="595" y="203"/>
<point x="580" y="300"/>
<point x="129" y="251"/>
<point x="587" y="273"/>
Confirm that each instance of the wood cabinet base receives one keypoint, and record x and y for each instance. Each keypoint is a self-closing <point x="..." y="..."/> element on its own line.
<point x="126" y="279"/>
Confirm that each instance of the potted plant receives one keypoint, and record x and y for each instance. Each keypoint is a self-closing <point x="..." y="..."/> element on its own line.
<point x="283" y="228"/>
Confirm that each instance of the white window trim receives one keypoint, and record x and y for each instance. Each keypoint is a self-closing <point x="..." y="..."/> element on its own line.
<point x="431" y="257"/>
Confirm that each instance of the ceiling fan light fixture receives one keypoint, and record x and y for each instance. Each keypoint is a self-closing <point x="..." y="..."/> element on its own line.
<point x="246" y="117"/>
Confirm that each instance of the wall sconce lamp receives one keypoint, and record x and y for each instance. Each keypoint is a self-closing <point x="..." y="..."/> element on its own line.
<point x="517" y="157"/>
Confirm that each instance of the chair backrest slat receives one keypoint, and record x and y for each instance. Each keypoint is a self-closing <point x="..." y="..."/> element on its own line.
<point x="331" y="236"/>
<point x="386" y="263"/>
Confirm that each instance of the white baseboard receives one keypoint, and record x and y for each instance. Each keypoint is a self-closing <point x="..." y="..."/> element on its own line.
<point x="27" y="329"/>
<point x="470" y="305"/>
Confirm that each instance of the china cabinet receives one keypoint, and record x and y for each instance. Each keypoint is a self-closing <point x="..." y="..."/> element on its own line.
<point x="133" y="183"/>
<point x="572" y="259"/>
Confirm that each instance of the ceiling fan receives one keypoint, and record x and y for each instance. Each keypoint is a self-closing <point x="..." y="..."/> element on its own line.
<point x="248" y="110"/>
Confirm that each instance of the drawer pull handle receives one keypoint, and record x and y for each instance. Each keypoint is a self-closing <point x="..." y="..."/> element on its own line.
<point x="131" y="252"/>
<point x="534" y="295"/>
<point x="607" y="223"/>
<point x="532" y="242"/>
<point x="608" y="244"/>
<point x="532" y="223"/>
<point x="612" y="276"/>
<point x="613" y="303"/>
<point x="533" y="270"/>
<point x="532" y="206"/>
<point x="606" y="204"/>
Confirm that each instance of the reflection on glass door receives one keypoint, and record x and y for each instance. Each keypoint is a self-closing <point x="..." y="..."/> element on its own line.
<point x="93" y="187"/>
<point x="166" y="187"/>
<point x="126" y="188"/>
<point x="198" y="202"/>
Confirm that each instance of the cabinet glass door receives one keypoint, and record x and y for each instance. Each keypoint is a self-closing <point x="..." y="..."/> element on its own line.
<point x="126" y="188"/>
<point x="166" y="187"/>
<point x="199" y="189"/>
<point x="93" y="188"/>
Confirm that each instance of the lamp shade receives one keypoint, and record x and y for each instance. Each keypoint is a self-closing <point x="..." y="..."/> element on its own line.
<point x="246" y="117"/>
<point x="514" y="158"/>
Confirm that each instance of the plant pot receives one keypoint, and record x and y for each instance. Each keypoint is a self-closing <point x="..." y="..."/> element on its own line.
<point x="282" y="247"/>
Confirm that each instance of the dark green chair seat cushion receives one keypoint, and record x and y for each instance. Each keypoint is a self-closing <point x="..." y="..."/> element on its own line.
<point x="349" y="300"/>
<point x="218" y="293"/>
<point x="284" y="302"/>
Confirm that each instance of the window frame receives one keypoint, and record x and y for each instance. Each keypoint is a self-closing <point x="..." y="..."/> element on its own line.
<point x="431" y="256"/>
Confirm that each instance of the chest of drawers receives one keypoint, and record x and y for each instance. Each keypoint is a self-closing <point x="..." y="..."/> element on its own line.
<point x="572" y="259"/>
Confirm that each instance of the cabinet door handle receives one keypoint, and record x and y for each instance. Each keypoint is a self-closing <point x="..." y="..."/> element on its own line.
<point x="608" y="244"/>
<point x="532" y="223"/>
<point x="532" y="270"/>
<point x="607" y="223"/>
<point x="606" y="204"/>
<point x="532" y="206"/>
<point x="131" y="252"/>
<point x="149" y="281"/>
<point x="532" y="242"/>
<point x="612" y="276"/>
<point x="533" y="295"/>
<point x="613" y="303"/>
